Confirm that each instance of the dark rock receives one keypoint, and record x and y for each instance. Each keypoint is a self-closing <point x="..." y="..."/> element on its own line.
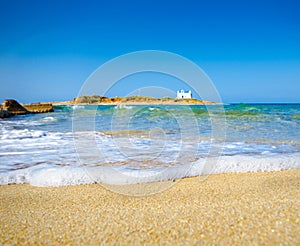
<point x="4" y="113"/>
<point x="14" y="107"/>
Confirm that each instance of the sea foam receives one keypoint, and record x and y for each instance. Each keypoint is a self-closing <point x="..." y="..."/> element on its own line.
<point x="47" y="175"/>
<point x="22" y="134"/>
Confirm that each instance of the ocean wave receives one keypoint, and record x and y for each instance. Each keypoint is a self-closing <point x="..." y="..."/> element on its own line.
<point x="259" y="138"/>
<point x="22" y="134"/>
<point x="46" y="175"/>
<point x="48" y="119"/>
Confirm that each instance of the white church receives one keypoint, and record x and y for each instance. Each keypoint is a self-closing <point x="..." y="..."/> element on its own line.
<point x="181" y="94"/>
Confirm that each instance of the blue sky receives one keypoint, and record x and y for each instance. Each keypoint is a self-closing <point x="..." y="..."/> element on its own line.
<point x="250" y="49"/>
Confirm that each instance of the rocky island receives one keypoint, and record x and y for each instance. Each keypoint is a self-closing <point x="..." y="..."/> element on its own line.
<point x="133" y="100"/>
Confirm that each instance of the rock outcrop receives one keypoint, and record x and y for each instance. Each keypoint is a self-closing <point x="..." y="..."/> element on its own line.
<point x="12" y="107"/>
<point x="39" y="107"/>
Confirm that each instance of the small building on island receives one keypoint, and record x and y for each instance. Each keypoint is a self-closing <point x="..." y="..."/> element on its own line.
<point x="181" y="94"/>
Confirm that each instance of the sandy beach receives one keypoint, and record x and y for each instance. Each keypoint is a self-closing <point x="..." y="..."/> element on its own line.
<point x="245" y="208"/>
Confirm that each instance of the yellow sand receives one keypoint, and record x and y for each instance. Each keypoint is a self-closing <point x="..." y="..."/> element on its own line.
<point x="240" y="209"/>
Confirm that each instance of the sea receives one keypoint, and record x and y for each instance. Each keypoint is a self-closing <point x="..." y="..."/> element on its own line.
<point x="125" y="144"/>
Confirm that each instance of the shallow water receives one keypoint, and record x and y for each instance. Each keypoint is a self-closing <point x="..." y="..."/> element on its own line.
<point x="129" y="144"/>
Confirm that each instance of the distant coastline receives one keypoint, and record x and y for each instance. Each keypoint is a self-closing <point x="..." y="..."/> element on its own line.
<point x="11" y="107"/>
<point x="132" y="100"/>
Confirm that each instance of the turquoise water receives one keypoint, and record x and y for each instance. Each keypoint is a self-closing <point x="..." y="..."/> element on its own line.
<point x="245" y="137"/>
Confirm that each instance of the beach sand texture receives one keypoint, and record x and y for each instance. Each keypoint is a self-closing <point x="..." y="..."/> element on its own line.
<point x="240" y="209"/>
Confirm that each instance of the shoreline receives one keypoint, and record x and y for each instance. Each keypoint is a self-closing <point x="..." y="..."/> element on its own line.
<point x="233" y="208"/>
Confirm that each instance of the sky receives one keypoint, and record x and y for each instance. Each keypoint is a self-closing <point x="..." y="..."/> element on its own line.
<point x="249" y="49"/>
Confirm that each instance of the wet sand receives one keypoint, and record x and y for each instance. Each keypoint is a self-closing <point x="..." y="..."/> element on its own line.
<point x="240" y="209"/>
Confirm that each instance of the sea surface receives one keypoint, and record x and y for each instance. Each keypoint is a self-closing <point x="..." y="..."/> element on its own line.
<point x="132" y="144"/>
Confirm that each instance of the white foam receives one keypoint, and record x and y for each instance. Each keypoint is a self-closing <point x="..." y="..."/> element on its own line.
<point x="259" y="163"/>
<point x="123" y="106"/>
<point x="77" y="107"/>
<point x="48" y="119"/>
<point x="46" y="175"/>
<point x="22" y="134"/>
<point x="59" y="176"/>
